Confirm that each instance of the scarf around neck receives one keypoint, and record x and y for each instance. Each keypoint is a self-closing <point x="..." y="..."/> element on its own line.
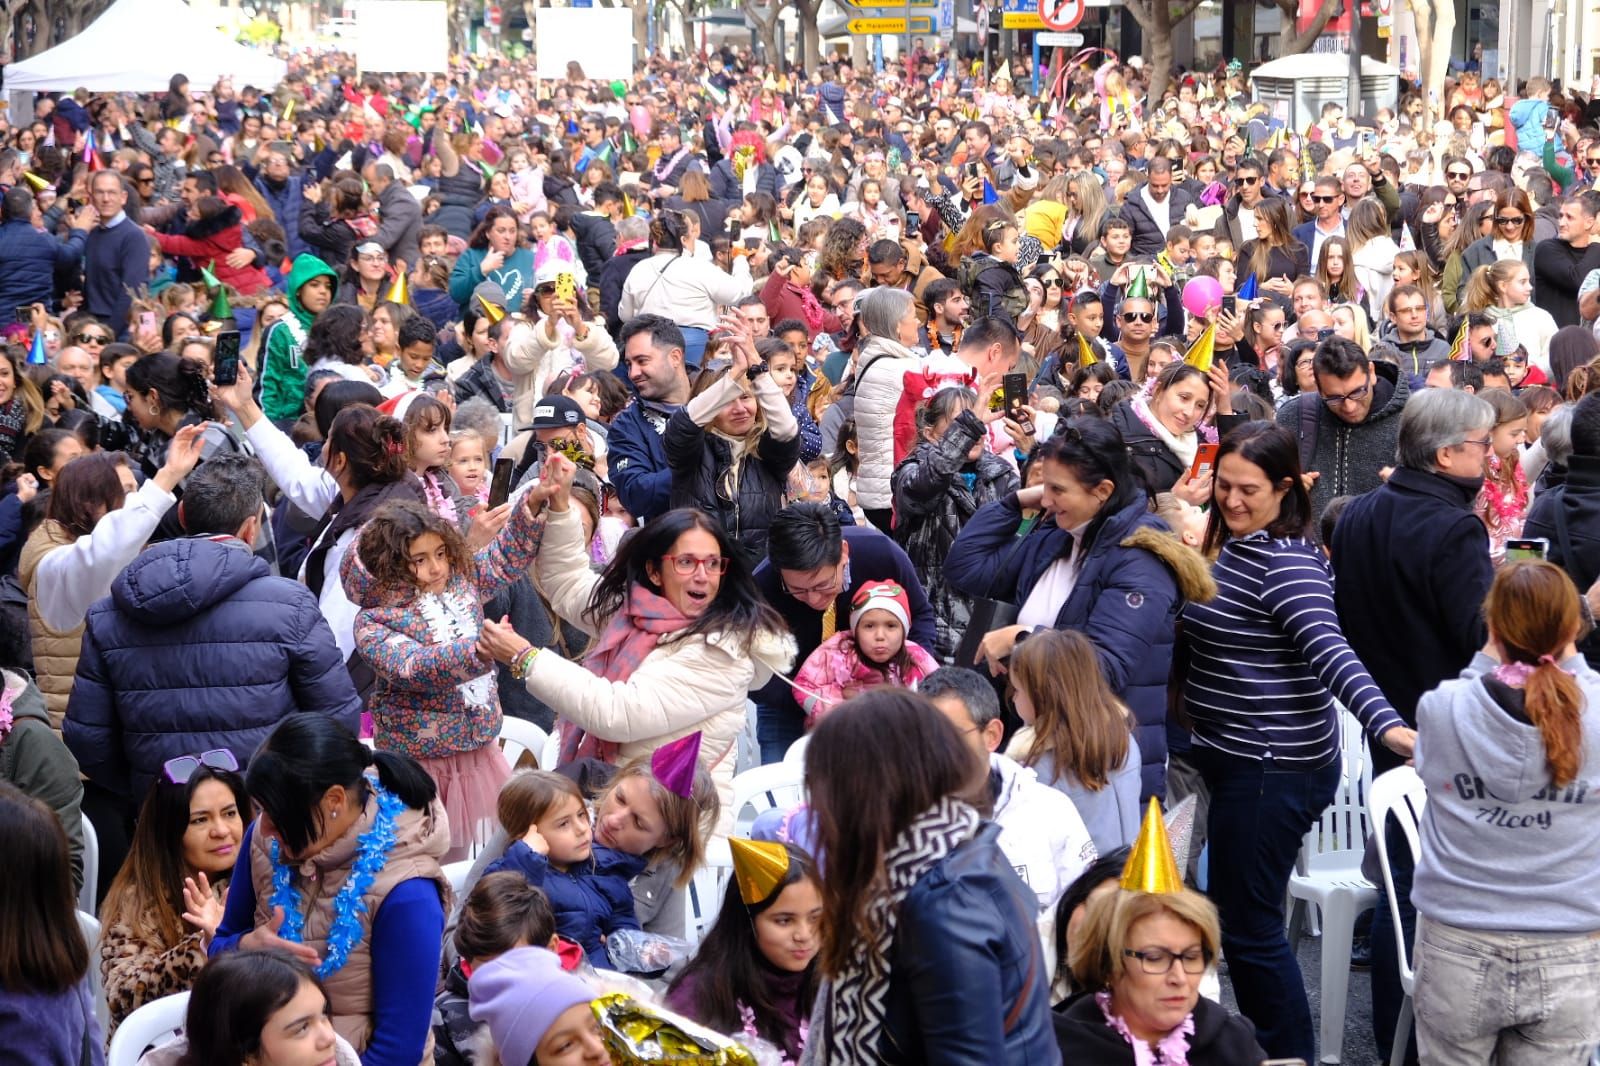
<point x="1183" y="447"/>
<point x="630" y="635"/>
<point x="853" y="1004"/>
<point x="1170" y="1050"/>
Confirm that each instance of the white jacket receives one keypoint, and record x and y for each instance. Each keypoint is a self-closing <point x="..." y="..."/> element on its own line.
<point x="698" y="683"/>
<point x="1374" y="267"/>
<point x="535" y="357"/>
<point x="683" y="289"/>
<point x="1043" y="838"/>
<point x="69" y="579"/>
<point x="878" y="390"/>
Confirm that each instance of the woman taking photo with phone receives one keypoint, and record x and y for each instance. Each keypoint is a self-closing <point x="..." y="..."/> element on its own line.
<point x="1164" y="434"/>
<point x="1266" y="727"/>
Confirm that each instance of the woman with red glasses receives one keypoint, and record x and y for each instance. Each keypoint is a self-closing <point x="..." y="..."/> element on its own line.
<point x="681" y="636"/>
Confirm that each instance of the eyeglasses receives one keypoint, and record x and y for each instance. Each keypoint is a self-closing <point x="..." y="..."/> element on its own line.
<point x="1159" y="960"/>
<point x="1593" y="161"/>
<point x="144" y="181"/>
<point x="1355" y="396"/>
<point x="1246" y="180"/>
<point x="1508" y="220"/>
<point x="546" y="289"/>
<point x="1459" y="175"/>
<point x="1323" y="199"/>
<point x="828" y="588"/>
<point x="1138" y="316"/>
<point x="685" y="565"/>
<point x="1486" y="443"/>
<point x="1053" y="283"/>
<point x="92" y="338"/>
<point x="1413" y="309"/>
<point x="178" y="770"/>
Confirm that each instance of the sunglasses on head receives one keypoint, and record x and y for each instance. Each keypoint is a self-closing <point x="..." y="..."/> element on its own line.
<point x="178" y="770"/>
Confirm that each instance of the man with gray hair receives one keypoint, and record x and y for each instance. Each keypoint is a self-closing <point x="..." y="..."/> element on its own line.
<point x="632" y="248"/>
<point x="1041" y="832"/>
<point x="399" y="215"/>
<point x="1411" y="570"/>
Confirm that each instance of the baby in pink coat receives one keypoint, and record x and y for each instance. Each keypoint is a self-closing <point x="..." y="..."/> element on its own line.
<point x="873" y="651"/>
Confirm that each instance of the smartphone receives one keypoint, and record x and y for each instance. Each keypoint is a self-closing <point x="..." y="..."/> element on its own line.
<point x="752" y="243"/>
<point x="147" y="321"/>
<point x="1014" y="387"/>
<point x="25" y="313"/>
<point x="1552" y="119"/>
<point x="913" y="221"/>
<point x="972" y="170"/>
<point x="566" y="288"/>
<point x="500" y="484"/>
<point x="1324" y="334"/>
<point x="225" y="358"/>
<point x="1230" y="304"/>
<point x="1205" y="458"/>
<point x="1527" y="549"/>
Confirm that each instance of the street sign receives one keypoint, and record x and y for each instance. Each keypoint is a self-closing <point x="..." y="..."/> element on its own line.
<point x="947" y="21"/>
<point x="878" y="27"/>
<point x="1021" y="20"/>
<point x="1061" y="14"/>
<point x="1053" y="39"/>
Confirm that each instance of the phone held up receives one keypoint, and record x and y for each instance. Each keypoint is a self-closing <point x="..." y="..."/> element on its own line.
<point x="225" y="358"/>
<point x="500" y="483"/>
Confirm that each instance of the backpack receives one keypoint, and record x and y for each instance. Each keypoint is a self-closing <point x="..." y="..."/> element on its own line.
<point x="1009" y="304"/>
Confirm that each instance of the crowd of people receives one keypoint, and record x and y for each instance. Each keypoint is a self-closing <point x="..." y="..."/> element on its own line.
<point x="1039" y="463"/>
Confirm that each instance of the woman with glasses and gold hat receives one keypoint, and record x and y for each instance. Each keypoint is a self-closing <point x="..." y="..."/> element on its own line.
<point x="1141" y="954"/>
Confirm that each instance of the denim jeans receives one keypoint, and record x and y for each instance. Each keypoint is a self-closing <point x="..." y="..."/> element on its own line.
<point x="1515" y="999"/>
<point x="1257" y="820"/>
<point x="777" y="728"/>
<point x="694" y="346"/>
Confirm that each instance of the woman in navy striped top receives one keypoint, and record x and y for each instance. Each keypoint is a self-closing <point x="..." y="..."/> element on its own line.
<point x="1266" y="662"/>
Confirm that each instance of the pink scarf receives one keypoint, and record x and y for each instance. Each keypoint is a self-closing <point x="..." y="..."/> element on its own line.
<point x="628" y="639"/>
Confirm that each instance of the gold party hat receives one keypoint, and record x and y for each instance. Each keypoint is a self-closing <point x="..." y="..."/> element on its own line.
<point x="491" y="312"/>
<point x="1086" y="356"/>
<point x="38" y="183"/>
<point x="400" y="291"/>
<point x="759" y="867"/>
<point x="1151" y="867"/>
<point x="1203" y="351"/>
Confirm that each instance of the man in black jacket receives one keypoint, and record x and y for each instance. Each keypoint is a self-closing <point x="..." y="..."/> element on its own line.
<point x="812" y="571"/>
<point x="1411" y="570"/>
<point x="1155" y="207"/>
<point x="1559" y="266"/>
<point x="632" y="248"/>
<point x="1568" y="516"/>
<point x="596" y="230"/>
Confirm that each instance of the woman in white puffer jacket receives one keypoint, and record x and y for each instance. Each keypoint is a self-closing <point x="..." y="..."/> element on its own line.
<point x="888" y="320"/>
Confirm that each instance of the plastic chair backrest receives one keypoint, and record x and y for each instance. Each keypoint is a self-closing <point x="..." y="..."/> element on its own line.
<point x="456" y="873"/>
<point x="91" y="868"/>
<point x="1399" y="793"/>
<point x="1343" y="826"/>
<point x="779" y="784"/>
<point x="157" y="1022"/>
<point x="89" y="926"/>
<point x="796" y="754"/>
<point x="518" y="735"/>
<point x="550" y="755"/>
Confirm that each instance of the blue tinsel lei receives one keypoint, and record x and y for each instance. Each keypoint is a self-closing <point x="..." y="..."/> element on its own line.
<point x="349" y="905"/>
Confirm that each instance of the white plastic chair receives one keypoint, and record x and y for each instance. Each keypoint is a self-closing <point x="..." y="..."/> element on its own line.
<point x="91" y="867"/>
<point x="779" y="784"/>
<point x="703" y="898"/>
<point x="518" y="735"/>
<point x="157" y="1022"/>
<point x="796" y="755"/>
<point x="1399" y="793"/>
<point x="550" y="754"/>
<point x="1328" y="874"/>
<point x="89" y="926"/>
<point x="456" y="873"/>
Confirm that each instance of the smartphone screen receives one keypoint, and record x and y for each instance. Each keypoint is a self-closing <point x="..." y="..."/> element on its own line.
<point x="1530" y="549"/>
<point x="752" y="243"/>
<point x="24" y="313"/>
<point x="225" y="358"/>
<point x="1205" y="457"/>
<point x="147" y="320"/>
<point x="1014" y="387"/>
<point x="500" y="485"/>
<point x="913" y="221"/>
<point x="1230" y="304"/>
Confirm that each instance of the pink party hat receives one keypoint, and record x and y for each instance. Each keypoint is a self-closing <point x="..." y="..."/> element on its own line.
<point x="674" y="764"/>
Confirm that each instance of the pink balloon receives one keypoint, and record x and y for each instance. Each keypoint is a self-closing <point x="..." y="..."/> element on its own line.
<point x="1202" y="296"/>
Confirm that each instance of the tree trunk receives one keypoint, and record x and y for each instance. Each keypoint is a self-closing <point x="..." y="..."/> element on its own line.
<point x="641" y="29"/>
<point x="1158" y="18"/>
<point x="1292" y="41"/>
<point x="766" y="24"/>
<point x="811" y="37"/>
<point x="1436" y="25"/>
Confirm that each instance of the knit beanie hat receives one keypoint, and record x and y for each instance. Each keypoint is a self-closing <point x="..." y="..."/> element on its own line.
<point x="881" y="596"/>
<point x="519" y="996"/>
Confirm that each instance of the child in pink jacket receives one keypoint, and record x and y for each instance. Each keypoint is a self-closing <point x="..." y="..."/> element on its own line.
<point x="873" y="651"/>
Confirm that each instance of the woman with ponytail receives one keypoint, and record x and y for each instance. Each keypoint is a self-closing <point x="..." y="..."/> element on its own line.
<point x="341" y="871"/>
<point x="677" y="286"/>
<point x="1505" y="889"/>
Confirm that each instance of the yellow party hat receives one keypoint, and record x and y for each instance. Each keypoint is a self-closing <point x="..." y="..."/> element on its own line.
<point x="1151" y="867"/>
<point x="1086" y="356"/>
<point x="1203" y="350"/>
<point x="759" y="867"/>
<point x="494" y="314"/>
<point x="39" y="183"/>
<point x="400" y="291"/>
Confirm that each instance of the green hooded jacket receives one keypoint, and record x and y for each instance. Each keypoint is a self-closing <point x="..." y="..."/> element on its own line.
<point x="283" y="371"/>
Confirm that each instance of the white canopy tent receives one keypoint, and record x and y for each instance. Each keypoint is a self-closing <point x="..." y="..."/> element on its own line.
<point x="137" y="46"/>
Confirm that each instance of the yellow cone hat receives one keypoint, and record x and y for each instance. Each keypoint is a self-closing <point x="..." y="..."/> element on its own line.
<point x="1203" y="351"/>
<point x="759" y="867"/>
<point x="491" y="312"/>
<point x="1086" y="356"/>
<point x="1151" y="867"/>
<point x="38" y="183"/>
<point x="400" y="291"/>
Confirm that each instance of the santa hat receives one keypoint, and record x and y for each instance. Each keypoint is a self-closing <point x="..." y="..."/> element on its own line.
<point x="881" y="596"/>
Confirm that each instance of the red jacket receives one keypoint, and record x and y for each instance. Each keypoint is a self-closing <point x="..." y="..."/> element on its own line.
<point x="784" y="299"/>
<point x="207" y="241"/>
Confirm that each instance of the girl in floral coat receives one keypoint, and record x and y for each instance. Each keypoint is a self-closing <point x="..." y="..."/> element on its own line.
<point x="420" y="595"/>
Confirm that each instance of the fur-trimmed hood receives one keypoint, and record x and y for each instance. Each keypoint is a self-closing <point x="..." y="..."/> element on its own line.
<point x="1188" y="566"/>
<point x="202" y="229"/>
